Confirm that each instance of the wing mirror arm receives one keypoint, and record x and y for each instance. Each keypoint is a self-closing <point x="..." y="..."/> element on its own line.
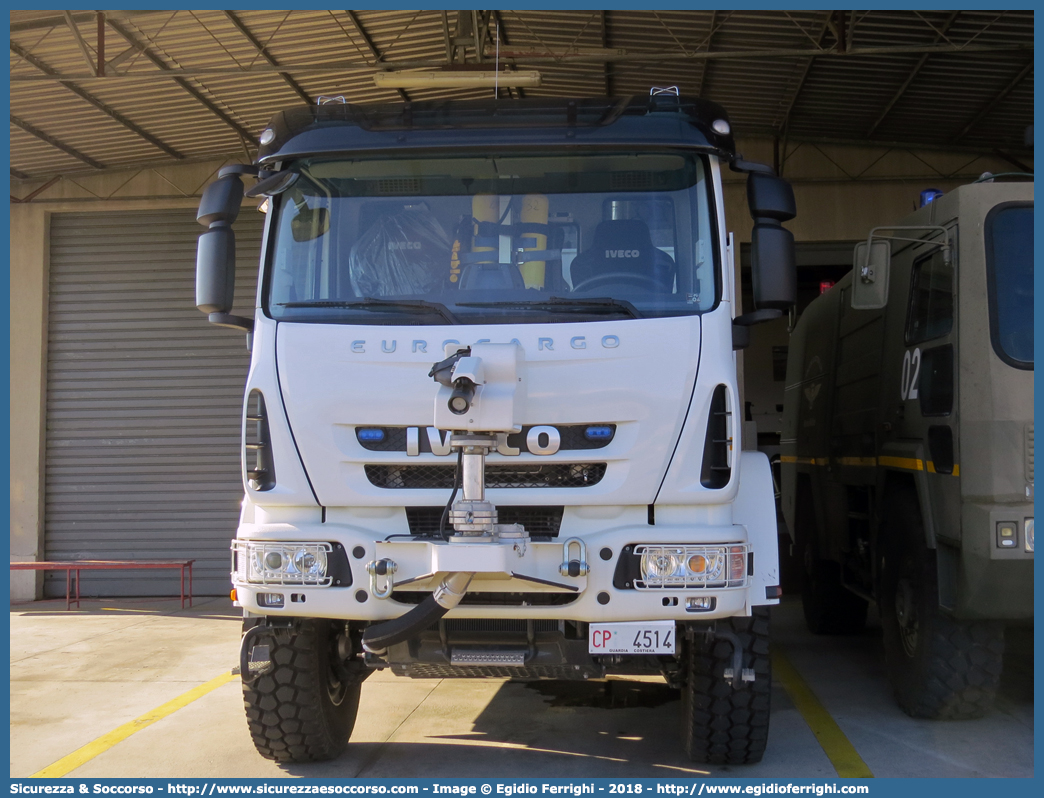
<point x="866" y="273"/>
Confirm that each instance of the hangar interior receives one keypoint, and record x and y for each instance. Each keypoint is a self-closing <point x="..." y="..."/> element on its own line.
<point x="125" y="404"/>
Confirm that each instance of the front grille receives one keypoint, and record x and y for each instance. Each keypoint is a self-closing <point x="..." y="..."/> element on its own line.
<point x="440" y="477"/>
<point x="494" y="599"/>
<point x="538" y="521"/>
<point x="572" y="437"/>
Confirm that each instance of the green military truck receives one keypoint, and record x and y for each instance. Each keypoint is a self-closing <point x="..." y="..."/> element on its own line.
<point x="907" y="446"/>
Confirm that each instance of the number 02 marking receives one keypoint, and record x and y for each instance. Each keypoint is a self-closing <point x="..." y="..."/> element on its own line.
<point x="911" y="374"/>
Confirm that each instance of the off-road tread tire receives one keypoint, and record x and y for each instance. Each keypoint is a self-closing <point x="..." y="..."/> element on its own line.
<point x="956" y="669"/>
<point x="961" y="681"/>
<point x="725" y="725"/>
<point x="289" y="711"/>
<point x="829" y="608"/>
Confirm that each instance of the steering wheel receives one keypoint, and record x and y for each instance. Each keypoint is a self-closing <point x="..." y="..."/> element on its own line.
<point x="628" y="278"/>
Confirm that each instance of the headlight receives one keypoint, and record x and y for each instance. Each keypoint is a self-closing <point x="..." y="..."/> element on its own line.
<point x="266" y="563"/>
<point x="1029" y="534"/>
<point x="675" y="566"/>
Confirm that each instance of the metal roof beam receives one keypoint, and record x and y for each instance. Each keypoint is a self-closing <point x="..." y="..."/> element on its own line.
<point x="675" y="56"/>
<point x="84" y="48"/>
<point x="101" y="106"/>
<point x="176" y="76"/>
<point x="804" y="76"/>
<point x="994" y="101"/>
<point x="706" y="64"/>
<point x="374" y="52"/>
<point x="262" y="50"/>
<point x="939" y="35"/>
<point x="607" y="68"/>
<point x="32" y="130"/>
<point x="82" y="16"/>
<point x="1013" y="161"/>
<point x="19" y="175"/>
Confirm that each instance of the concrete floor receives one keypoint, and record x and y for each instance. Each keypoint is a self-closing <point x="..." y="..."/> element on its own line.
<point x="77" y="675"/>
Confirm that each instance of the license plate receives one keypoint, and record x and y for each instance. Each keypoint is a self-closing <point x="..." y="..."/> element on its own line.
<point x="633" y="637"/>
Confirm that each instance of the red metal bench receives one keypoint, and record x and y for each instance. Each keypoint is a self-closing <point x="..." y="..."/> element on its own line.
<point x="73" y="567"/>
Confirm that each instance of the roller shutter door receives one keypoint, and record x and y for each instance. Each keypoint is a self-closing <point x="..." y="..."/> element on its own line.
<point x="143" y="401"/>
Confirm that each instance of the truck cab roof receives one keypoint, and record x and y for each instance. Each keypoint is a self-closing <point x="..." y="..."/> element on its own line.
<point x="655" y="121"/>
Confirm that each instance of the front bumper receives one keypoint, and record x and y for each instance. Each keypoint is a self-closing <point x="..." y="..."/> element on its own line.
<point x="507" y="584"/>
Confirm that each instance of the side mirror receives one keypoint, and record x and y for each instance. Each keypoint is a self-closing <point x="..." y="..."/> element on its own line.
<point x="216" y="252"/>
<point x="773" y="268"/>
<point x="870" y="267"/>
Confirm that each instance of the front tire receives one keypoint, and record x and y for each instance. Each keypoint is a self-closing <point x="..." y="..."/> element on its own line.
<point x="939" y="667"/>
<point x="725" y="724"/>
<point x="304" y="708"/>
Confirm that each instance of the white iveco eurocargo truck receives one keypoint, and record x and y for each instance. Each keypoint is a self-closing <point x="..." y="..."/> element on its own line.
<point x="491" y="424"/>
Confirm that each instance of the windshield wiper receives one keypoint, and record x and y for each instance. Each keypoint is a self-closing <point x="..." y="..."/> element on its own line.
<point x="605" y="304"/>
<point x="369" y="303"/>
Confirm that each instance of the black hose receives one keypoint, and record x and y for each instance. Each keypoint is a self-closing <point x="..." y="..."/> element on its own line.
<point x="377" y="638"/>
<point x="456" y="485"/>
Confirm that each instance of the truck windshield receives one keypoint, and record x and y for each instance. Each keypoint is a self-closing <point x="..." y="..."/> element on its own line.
<point x="520" y="239"/>
<point x="1009" y="263"/>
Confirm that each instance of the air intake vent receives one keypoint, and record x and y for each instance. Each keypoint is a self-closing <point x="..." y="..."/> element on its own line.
<point x="1029" y="454"/>
<point x="717" y="448"/>
<point x="257" y="457"/>
<point x="398" y="186"/>
<point x="439" y="477"/>
<point x="540" y="522"/>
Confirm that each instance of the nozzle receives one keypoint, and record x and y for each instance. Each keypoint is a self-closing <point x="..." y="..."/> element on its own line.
<point x="462" y="397"/>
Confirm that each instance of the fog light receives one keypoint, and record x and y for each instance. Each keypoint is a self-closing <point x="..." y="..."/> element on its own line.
<point x="270" y="599"/>
<point x="1029" y="534"/>
<point x="1007" y="535"/>
<point x="700" y="603"/>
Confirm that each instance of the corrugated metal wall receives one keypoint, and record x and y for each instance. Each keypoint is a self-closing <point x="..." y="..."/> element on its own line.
<point x="143" y="401"/>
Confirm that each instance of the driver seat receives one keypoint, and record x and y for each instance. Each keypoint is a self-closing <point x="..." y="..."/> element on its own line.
<point x="624" y="246"/>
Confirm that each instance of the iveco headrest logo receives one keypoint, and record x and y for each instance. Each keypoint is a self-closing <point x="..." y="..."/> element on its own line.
<point x="623" y="253"/>
<point x="397" y="245"/>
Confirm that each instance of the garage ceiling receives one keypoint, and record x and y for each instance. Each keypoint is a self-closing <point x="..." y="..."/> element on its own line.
<point x="100" y="90"/>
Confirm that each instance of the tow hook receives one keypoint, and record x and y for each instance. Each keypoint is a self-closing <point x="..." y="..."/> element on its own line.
<point x="381" y="569"/>
<point x="576" y="566"/>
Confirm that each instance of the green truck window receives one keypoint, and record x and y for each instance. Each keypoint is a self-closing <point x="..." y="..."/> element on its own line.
<point x="931" y="299"/>
<point x="1009" y="268"/>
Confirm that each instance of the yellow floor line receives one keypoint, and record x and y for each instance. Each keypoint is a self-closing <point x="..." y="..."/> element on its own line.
<point x="69" y="763"/>
<point x="839" y="750"/>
